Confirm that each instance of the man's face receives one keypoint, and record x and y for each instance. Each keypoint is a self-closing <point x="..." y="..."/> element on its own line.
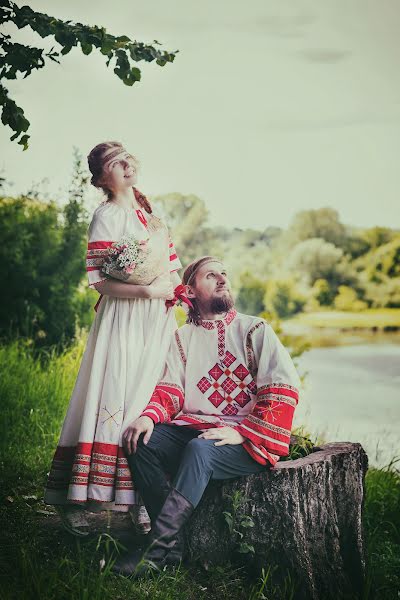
<point x="211" y="288"/>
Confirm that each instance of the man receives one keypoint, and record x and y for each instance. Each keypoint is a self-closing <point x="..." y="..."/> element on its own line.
<point x="223" y="409"/>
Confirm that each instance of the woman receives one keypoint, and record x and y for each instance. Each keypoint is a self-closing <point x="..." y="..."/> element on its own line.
<point x="125" y="351"/>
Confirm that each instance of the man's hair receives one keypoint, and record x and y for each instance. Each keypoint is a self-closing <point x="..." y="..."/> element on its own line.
<point x="189" y="278"/>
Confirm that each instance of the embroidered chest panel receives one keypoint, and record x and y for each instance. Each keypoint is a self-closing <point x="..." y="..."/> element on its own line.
<point x="228" y="385"/>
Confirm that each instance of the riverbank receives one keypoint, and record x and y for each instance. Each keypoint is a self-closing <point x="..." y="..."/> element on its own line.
<point x="337" y="328"/>
<point x="379" y="319"/>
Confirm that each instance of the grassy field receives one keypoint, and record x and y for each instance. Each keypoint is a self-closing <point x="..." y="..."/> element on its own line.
<point x="37" y="562"/>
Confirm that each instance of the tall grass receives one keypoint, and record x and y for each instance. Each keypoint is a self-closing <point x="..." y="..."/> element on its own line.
<point x="39" y="563"/>
<point x="34" y="394"/>
<point x="382" y="526"/>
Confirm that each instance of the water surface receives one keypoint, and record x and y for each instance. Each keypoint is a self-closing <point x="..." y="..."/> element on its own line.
<point x="352" y="393"/>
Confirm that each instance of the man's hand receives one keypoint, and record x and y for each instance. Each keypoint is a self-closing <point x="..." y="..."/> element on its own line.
<point x="226" y="435"/>
<point x="131" y="434"/>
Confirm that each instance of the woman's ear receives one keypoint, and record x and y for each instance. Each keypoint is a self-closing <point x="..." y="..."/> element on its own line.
<point x="189" y="292"/>
<point x="102" y="179"/>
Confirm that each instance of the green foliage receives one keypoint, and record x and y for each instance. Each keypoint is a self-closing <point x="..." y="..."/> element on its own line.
<point x="377" y="236"/>
<point x="30" y="233"/>
<point x="384" y="260"/>
<point x="42" y="260"/>
<point x="347" y="300"/>
<point x="385" y="294"/>
<point x="282" y="298"/>
<point x="301" y="445"/>
<point x="237" y="521"/>
<point x="382" y="525"/>
<point x="63" y="297"/>
<point x="320" y="223"/>
<point x="322" y="292"/>
<point x="355" y="245"/>
<point x="20" y="60"/>
<point x="250" y="298"/>
<point x="316" y="259"/>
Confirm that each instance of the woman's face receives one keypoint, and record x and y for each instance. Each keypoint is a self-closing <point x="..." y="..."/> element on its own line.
<point x="119" y="171"/>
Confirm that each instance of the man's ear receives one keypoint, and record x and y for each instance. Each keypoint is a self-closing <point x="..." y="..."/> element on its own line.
<point x="189" y="292"/>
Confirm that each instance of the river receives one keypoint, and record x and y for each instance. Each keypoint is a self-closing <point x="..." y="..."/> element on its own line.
<point x="352" y="393"/>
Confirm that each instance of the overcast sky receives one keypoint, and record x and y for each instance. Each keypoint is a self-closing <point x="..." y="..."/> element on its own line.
<point x="268" y="109"/>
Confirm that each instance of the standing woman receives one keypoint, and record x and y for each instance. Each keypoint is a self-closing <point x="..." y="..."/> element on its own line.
<point x="125" y="352"/>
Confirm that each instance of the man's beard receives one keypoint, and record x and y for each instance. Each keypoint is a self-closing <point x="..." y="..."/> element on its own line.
<point x="222" y="304"/>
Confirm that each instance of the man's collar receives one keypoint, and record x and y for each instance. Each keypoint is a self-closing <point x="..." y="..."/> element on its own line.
<point x="213" y="323"/>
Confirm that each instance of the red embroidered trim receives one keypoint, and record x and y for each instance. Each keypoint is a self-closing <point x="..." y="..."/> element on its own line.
<point x="221" y="339"/>
<point x="282" y="388"/>
<point x="277" y="446"/>
<point x="258" y="454"/>
<point x="180" y="347"/>
<point x="90" y="463"/>
<point x="230" y="316"/>
<point x="97" y="245"/>
<point x="196" y="423"/>
<point x="212" y="324"/>
<point x="249" y="349"/>
<point x="96" y="253"/>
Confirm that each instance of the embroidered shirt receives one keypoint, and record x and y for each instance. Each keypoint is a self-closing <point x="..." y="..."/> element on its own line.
<point x="232" y="371"/>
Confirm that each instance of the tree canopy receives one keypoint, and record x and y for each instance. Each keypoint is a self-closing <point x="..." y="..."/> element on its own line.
<point x="21" y="60"/>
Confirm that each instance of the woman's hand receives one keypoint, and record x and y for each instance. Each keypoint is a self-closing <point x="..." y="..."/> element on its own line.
<point x="161" y="287"/>
<point x="225" y="435"/>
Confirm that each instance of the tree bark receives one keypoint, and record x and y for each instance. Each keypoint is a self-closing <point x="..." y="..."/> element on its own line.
<point x="307" y="520"/>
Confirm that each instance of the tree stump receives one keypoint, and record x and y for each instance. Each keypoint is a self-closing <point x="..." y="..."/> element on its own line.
<point x="307" y="520"/>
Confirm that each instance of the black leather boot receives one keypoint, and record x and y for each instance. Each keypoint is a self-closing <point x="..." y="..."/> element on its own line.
<point x="165" y="546"/>
<point x="154" y="503"/>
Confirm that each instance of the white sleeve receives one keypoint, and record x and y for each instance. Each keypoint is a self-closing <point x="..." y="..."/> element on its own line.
<point x="102" y="233"/>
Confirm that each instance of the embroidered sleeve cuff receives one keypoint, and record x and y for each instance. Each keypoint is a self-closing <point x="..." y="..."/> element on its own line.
<point x="156" y="413"/>
<point x="263" y="438"/>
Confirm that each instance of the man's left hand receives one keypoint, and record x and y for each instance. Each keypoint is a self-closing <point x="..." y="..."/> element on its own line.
<point x="225" y="435"/>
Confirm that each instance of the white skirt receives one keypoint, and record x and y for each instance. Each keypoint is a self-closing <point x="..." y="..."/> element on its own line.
<point x="123" y="361"/>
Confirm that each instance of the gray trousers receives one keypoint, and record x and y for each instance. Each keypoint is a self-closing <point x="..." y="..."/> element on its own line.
<point x="190" y="462"/>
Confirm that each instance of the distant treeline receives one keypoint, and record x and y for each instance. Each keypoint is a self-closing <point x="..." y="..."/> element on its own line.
<point x="317" y="262"/>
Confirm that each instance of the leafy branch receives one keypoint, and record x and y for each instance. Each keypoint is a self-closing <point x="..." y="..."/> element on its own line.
<point x="20" y="60"/>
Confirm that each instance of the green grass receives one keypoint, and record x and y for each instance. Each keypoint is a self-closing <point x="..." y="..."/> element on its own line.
<point x="379" y="318"/>
<point x="38" y="563"/>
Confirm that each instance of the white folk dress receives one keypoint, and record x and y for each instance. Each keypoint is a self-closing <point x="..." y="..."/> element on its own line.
<point x="124" y="357"/>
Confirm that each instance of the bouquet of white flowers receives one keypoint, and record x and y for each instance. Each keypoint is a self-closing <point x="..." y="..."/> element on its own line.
<point x="137" y="261"/>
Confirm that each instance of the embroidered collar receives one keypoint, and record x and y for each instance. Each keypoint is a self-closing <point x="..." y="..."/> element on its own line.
<point x="214" y="323"/>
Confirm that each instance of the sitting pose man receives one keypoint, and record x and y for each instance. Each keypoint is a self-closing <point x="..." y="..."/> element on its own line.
<point x="223" y="409"/>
